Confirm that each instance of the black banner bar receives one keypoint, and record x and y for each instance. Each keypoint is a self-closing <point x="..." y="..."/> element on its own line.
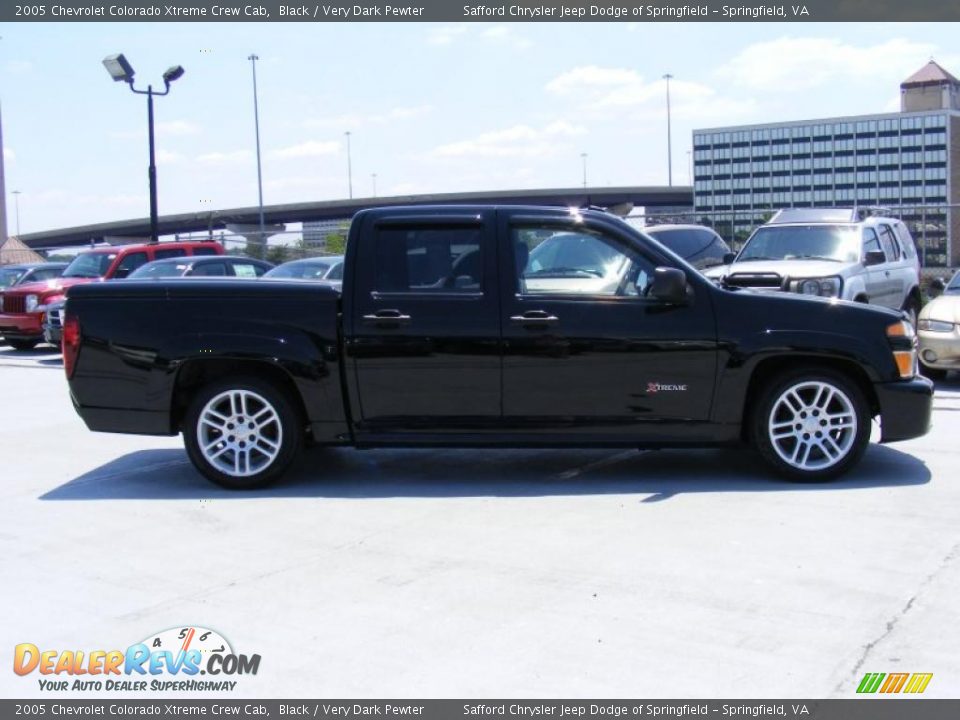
<point x="447" y="11"/>
<point x="873" y="708"/>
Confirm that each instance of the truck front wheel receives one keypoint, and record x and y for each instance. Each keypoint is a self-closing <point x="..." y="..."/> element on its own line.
<point x="242" y="433"/>
<point x="811" y="425"/>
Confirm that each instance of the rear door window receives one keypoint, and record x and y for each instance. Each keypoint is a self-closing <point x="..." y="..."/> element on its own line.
<point x="428" y="259"/>
<point x="162" y="254"/>
<point x="205" y="251"/>
<point x="247" y="269"/>
<point x="209" y="269"/>
<point x="129" y="263"/>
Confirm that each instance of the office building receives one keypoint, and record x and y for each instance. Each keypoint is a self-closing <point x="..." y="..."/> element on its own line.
<point x="907" y="162"/>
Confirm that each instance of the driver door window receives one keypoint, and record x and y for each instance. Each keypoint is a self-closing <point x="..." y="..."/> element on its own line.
<point x="870" y="241"/>
<point x="562" y="262"/>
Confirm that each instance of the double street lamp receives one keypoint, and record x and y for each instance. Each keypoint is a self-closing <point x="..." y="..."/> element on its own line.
<point x="121" y="71"/>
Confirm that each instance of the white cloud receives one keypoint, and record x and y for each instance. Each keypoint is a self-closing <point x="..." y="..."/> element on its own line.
<point x="235" y="157"/>
<point x="593" y="78"/>
<point x="355" y="120"/>
<point x="515" y="141"/>
<point x="507" y="35"/>
<point x="445" y="34"/>
<point x="310" y="148"/>
<point x="165" y="157"/>
<point x="598" y="89"/>
<point x="789" y="64"/>
<point x="177" y="127"/>
<point x="18" y="67"/>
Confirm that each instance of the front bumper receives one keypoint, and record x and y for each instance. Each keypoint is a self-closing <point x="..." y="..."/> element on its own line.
<point x="940" y="351"/>
<point x="53" y="334"/>
<point x="905" y="408"/>
<point x="26" y="326"/>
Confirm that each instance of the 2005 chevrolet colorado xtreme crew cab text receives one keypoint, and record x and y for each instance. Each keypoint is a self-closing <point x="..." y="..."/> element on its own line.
<point x="445" y="333"/>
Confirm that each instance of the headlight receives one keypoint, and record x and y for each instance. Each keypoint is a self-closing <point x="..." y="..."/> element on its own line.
<point x="810" y="287"/>
<point x="824" y="287"/>
<point x="935" y="326"/>
<point x="32" y="302"/>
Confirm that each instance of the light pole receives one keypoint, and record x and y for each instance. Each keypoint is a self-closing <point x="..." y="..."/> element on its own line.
<point x="690" y="166"/>
<point x="583" y="159"/>
<point x="256" y="129"/>
<point x="374" y="178"/>
<point x="349" y="168"/>
<point x="16" y="205"/>
<point x="121" y="71"/>
<point x="668" y="77"/>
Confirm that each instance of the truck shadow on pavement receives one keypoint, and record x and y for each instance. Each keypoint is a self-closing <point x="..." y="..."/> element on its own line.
<point x="653" y="476"/>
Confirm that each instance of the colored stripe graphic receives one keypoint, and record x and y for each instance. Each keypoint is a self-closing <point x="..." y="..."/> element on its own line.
<point x="895" y="682"/>
<point x="870" y="682"/>
<point x="918" y="682"/>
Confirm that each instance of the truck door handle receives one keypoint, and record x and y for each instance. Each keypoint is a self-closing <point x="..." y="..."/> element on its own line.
<point x="535" y="319"/>
<point x="387" y="319"/>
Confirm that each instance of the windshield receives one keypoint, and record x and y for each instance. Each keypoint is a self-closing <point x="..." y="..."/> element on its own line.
<point x="689" y="243"/>
<point x="301" y="271"/>
<point x="840" y="243"/>
<point x="89" y="265"/>
<point x="9" y="276"/>
<point x="159" y="270"/>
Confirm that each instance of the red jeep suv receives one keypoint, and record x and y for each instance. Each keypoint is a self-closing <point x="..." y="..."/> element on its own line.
<point x="21" y="313"/>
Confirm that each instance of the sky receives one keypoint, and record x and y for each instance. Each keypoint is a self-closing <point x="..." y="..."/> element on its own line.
<point x="430" y="107"/>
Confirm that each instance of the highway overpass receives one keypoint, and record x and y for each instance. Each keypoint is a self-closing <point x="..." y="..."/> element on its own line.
<point x="676" y="196"/>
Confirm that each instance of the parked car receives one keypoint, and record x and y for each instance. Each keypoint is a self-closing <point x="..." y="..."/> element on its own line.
<point x="24" y="307"/>
<point x="221" y="266"/>
<point x="700" y="246"/>
<point x="938" y="329"/>
<point x="833" y="253"/>
<point x="13" y="275"/>
<point x="444" y="335"/>
<point x="326" y="267"/>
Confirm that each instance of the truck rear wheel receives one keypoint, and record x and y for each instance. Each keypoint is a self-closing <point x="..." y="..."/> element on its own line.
<point x="23" y="344"/>
<point x="242" y="433"/>
<point x="811" y="425"/>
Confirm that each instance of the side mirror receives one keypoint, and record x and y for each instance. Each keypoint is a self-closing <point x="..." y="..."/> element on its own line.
<point x="729" y="257"/>
<point x="874" y="257"/>
<point x="669" y="286"/>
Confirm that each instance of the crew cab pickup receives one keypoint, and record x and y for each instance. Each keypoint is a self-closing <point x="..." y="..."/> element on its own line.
<point x="444" y="333"/>
<point x="22" y="308"/>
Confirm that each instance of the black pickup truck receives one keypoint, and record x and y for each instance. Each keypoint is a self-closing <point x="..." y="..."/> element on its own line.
<point x="490" y="327"/>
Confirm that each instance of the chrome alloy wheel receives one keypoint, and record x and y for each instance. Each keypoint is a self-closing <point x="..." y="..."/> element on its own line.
<point x="812" y="426"/>
<point x="239" y="433"/>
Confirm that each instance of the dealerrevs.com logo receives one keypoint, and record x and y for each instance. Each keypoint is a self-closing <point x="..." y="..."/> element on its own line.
<point x="171" y="660"/>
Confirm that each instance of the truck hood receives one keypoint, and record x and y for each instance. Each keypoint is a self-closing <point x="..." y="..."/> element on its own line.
<point x="945" y="308"/>
<point x="783" y="268"/>
<point x="48" y="287"/>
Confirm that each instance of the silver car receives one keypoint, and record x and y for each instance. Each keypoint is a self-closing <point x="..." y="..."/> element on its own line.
<point x="833" y="253"/>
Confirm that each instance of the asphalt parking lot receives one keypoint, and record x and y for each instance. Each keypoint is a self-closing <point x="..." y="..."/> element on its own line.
<point x="485" y="573"/>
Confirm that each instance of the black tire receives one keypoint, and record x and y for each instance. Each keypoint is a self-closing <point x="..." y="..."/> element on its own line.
<point x="774" y="407"/>
<point x="912" y="308"/>
<point x="23" y="345"/>
<point x="250" y="446"/>
<point x="932" y="373"/>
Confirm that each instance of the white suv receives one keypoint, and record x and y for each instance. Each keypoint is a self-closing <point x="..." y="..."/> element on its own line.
<point x="831" y="252"/>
